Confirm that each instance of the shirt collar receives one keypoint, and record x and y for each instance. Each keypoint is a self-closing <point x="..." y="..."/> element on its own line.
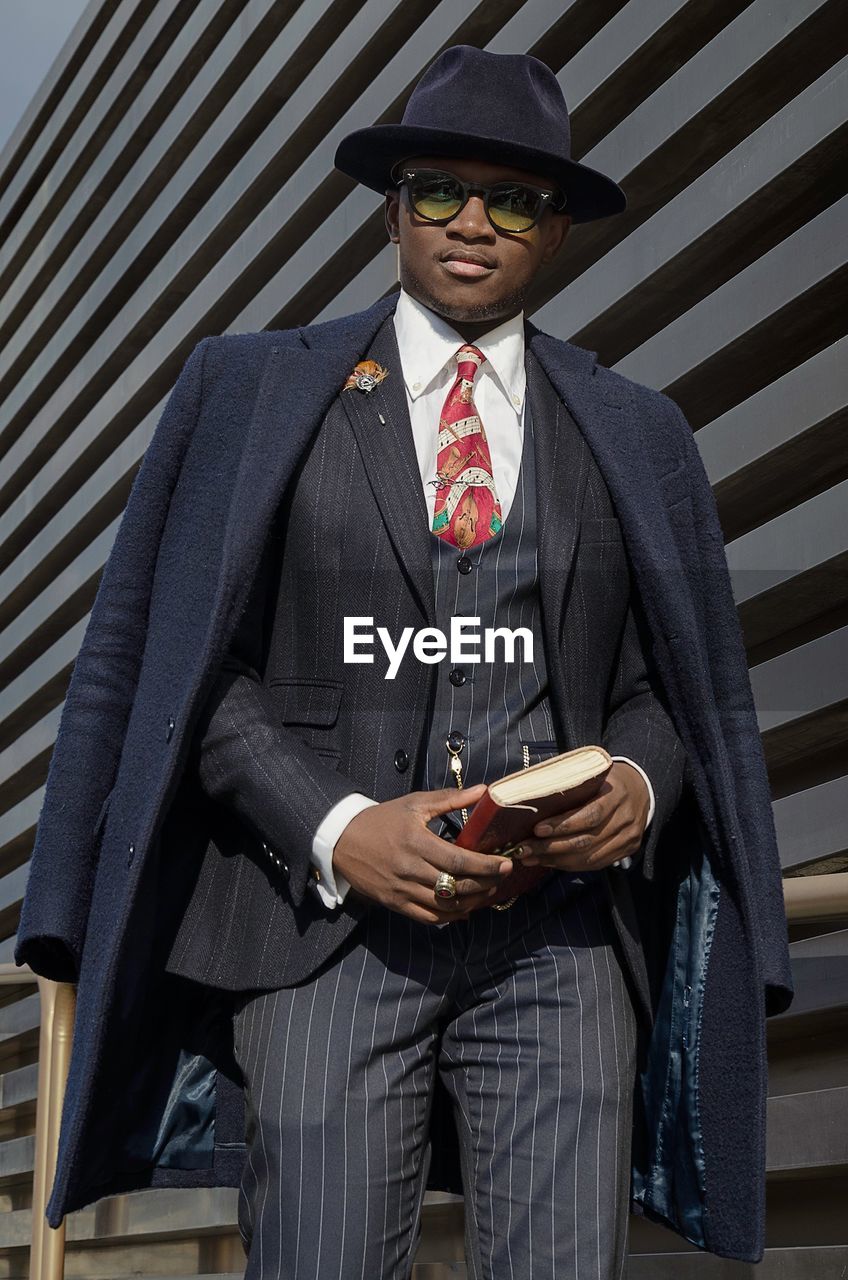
<point x="427" y="342"/>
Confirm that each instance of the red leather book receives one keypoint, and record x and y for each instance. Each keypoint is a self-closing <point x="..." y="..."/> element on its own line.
<point x="512" y="806"/>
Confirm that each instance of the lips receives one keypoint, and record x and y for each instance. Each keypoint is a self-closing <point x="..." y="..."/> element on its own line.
<point x="460" y="255"/>
<point x="467" y="255"/>
<point x="468" y="268"/>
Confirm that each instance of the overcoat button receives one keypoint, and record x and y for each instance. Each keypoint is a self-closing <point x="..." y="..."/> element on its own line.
<point x="464" y="565"/>
<point x="130" y="853"/>
<point x="457" y="676"/>
<point x="170" y="729"/>
<point x="401" y="760"/>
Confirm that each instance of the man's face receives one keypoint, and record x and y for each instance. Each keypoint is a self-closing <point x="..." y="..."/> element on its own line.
<point x="498" y="292"/>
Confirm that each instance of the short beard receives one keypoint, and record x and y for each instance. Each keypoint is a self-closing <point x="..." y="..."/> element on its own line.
<point x="470" y="313"/>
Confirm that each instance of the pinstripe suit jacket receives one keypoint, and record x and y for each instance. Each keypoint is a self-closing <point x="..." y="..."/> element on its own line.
<point x="290" y="728"/>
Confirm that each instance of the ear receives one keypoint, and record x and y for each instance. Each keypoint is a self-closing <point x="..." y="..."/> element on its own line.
<point x="391" y="213"/>
<point x="561" y="222"/>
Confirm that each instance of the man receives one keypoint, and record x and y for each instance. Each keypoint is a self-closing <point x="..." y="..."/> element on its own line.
<point x="466" y="465"/>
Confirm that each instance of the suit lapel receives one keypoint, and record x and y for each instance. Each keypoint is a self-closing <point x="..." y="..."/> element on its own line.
<point x="381" y="423"/>
<point x="562" y="471"/>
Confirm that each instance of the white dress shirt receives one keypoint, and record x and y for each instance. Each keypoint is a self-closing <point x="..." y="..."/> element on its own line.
<point x="427" y="344"/>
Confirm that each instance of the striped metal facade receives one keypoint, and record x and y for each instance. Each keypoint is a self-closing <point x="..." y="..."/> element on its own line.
<point x="173" y="177"/>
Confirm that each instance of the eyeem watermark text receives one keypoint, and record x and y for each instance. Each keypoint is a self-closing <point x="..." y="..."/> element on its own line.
<point x="430" y="644"/>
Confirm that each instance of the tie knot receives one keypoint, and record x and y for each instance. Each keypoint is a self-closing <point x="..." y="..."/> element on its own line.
<point x="468" y="360"/>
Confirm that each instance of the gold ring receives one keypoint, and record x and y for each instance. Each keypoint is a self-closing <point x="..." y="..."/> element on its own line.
<point x="445" y="885"/>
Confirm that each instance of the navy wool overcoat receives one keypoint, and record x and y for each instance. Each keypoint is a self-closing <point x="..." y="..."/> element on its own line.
<point x="153" y="1096"/>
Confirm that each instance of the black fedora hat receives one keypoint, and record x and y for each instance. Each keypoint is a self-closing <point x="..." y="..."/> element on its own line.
<point x="504" y="107"/>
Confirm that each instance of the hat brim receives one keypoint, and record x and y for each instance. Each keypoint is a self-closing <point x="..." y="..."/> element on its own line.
<point x="369" y="154"/>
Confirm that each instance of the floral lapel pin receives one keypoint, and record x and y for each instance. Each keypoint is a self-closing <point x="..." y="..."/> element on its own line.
<point x="365" y="376"/>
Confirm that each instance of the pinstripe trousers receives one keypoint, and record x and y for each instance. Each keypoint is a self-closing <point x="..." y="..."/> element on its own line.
<point x="526" y="1015"/>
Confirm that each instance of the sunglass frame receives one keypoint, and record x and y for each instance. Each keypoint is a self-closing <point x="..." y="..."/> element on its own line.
<point x="557" y="201"/>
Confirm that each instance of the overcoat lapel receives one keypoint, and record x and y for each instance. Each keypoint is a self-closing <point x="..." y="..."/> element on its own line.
<point x="296" y="388"/>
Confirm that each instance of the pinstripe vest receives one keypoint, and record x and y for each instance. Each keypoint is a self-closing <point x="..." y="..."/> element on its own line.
<point x="498" y="712"/>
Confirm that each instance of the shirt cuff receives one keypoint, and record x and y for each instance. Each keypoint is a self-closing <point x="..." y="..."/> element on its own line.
<point x="331" y="886"/>
<point x="625" y="862"/>
<point x="638" y="767"/>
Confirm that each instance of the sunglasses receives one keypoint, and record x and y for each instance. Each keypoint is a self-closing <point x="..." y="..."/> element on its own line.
<point x="438" y="196"/>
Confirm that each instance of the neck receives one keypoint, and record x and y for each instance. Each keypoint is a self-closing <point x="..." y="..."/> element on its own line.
<point x="471" y="331"/>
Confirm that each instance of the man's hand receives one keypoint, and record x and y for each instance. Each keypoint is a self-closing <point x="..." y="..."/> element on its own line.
<point x="388" y="853"/>
<point x="599" y="832"/>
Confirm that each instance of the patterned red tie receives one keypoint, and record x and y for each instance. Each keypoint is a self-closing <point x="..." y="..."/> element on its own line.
<point x="467" y="510"/>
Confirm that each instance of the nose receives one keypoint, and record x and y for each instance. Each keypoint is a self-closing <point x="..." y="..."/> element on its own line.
<point x="472" y="220"/>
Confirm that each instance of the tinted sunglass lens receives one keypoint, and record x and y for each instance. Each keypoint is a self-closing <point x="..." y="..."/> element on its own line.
<point x="513" y="208"/>
<point x="436" y="197"/>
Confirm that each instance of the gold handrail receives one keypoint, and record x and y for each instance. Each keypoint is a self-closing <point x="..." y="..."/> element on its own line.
<point x="814" y="897"/>
<point x="56" y="1025"/>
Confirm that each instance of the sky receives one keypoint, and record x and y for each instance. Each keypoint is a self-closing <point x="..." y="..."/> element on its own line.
<point x="31" y="34"/>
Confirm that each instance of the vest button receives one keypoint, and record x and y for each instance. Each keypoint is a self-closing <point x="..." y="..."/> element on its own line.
<point x="457" y="676"/>
<point x="455" y="740"/>
<point x="170" y="729"/>
<point x="401" y="760"/>
<point x="464" y="565"/>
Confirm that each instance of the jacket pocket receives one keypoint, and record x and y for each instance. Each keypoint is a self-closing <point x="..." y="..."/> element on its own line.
<point x="304" y="701"/>
<point x="602" y="531"/>
<point x="535" y="750"/>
